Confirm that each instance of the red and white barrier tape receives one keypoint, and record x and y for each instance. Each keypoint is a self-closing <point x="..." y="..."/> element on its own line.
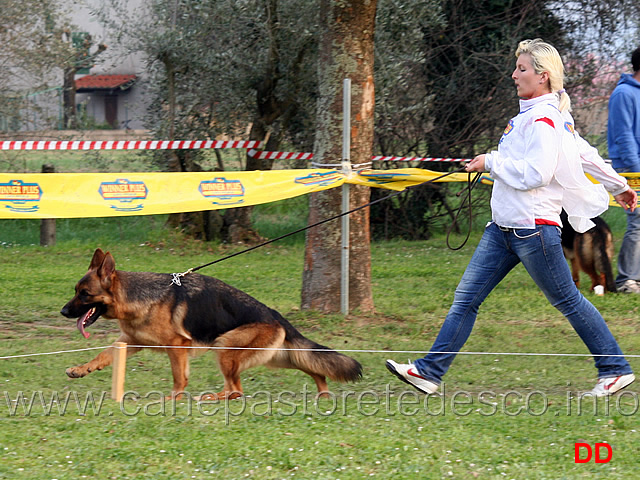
<point x="262" y="155"/>
<point x="379" y="158"/>
<point x="125" y="144"/>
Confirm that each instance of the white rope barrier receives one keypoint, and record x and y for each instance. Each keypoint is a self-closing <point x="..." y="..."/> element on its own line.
<point x="50" y="353"/>
<point x="413" y="352"/>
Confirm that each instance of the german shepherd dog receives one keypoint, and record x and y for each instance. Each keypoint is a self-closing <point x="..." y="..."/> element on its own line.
<point x="591" y="251"/>
<point x="197" y="311"/>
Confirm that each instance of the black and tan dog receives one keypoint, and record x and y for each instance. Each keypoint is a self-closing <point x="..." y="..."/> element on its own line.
<point x="201" y="311"/>
<point x="591" y="252"/>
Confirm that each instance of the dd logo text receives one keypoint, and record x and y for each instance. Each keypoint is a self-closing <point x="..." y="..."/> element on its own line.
<point x="588" y="452"/>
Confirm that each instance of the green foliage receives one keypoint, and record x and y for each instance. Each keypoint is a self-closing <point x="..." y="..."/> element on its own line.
<point x="32" y="50"/>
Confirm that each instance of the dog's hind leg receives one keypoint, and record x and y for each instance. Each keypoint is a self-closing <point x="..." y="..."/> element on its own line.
<point x="321" y="383"/>
<point x="604" y="261"/>
<point x="596" y="278"/>
<point x="287" y="359"/>
<point x="575" y="271"/>
<point x="585" y="246"/>
<point x="574" y="257"/>
<point x="253" y="344"/>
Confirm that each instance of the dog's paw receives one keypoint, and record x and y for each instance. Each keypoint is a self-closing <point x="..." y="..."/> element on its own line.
<point x="76" y="372"/>
<point x="214" y="397"/>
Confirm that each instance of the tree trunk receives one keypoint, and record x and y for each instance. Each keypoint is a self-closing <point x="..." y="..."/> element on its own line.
<point x="69" y="117"/>
<point x="346" y="51"/>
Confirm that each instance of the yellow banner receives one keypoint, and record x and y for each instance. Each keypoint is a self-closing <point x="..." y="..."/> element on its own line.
<point x="75" y="195"/>
<point x="401" y="178"/>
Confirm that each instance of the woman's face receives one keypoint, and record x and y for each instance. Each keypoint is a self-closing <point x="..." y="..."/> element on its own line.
<point x="529" y="84"/>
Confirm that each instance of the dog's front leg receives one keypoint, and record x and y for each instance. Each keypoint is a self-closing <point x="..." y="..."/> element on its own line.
<point x="103" y="359"/>
<point x="179" y="358"/>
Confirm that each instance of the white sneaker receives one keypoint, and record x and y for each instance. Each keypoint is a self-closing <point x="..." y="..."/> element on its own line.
<point x="609" y="386"/>
<point x="408" y="374"/>
<point x="629" y="286"/>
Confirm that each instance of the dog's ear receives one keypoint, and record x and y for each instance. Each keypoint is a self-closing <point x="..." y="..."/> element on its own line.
<point x="106" y="270"/>
<point x="96" y="261"/>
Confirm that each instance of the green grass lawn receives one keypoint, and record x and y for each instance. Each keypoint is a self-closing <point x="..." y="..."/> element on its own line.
<point x="501" y="416"/>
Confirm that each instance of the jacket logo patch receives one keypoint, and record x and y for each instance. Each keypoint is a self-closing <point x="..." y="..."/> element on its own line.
<point x="569" y="127"/>
<point x="507" y="130"/>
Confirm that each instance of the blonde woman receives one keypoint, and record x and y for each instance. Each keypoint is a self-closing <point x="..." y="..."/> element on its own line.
<point x="538" y="169"/>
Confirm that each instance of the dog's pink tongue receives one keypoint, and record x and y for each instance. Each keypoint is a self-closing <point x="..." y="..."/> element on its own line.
<point x="80" y="324"/>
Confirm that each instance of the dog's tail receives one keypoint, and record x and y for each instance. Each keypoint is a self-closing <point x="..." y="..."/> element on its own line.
<point x="311" y="357"/>
<point x="604" y="244"/>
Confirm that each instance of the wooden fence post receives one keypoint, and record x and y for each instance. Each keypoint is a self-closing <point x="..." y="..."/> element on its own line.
<point x="48" y="225"/>
<point x="119" y="370"/>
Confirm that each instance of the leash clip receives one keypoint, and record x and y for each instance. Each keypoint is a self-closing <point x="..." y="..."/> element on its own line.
<point x="175" y="277"/>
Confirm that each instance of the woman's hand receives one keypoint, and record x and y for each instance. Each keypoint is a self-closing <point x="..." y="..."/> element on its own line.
<point x="476" y="165"/>
<point x="627" y="199"/>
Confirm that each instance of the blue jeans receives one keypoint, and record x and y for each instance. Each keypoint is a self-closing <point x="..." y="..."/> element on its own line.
<point x="629" y="255"/>
<point x="540" y="252"/>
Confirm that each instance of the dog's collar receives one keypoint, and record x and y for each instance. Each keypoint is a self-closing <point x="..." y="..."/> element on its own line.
<point x="175" y="277"/>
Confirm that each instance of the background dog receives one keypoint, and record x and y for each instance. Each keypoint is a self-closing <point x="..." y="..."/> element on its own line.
<point x="591" y="251"/>
<point x="201" y="311"/>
